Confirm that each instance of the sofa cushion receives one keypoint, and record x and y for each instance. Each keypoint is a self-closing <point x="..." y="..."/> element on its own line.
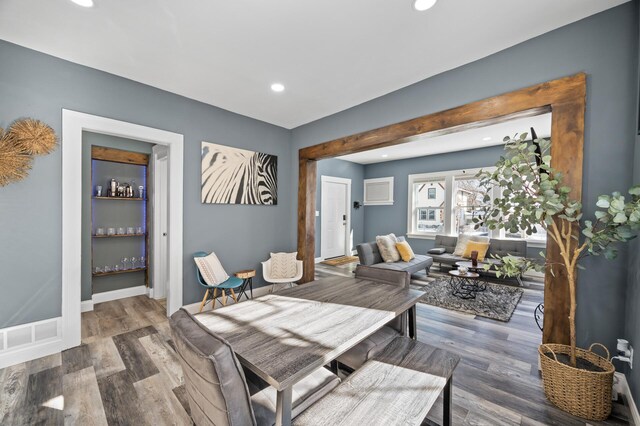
<point x="387" y="247"/>
<point x="437" y="250"/>
<point x="446" y="241"/>
<point x="416" y="264"/>
<point x="368" y="253"/>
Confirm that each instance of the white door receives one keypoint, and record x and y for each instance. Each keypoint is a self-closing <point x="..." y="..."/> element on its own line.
<point x="160" y="209"/>
<point x="335" y="196"/>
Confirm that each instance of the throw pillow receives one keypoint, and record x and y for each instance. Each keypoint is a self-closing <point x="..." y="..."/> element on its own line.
<point x="437" y="250"/>
<point x="283" y="265"/>
<point x="463" y="239"/>
<point x="211" y="269"/>
<point x="387" y="246"/>
<point x="406" y="253"/>
<point x="481" y="248"/>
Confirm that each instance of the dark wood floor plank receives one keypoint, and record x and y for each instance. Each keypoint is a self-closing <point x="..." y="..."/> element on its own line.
<point x="120" y="400"/>
<point x="75" y="359"/>
<point x="134" y="356"/>
<point x="44" y="399"/>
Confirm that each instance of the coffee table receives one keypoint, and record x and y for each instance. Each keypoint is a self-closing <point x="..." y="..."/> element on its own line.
<point x="467" y="285"/>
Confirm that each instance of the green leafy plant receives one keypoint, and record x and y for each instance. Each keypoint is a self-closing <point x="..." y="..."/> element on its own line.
<point x="532" y="196"/>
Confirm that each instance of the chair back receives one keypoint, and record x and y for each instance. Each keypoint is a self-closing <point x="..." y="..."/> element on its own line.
<point x="216" y="386"/>
<point x="201" y="280"/>
<point x="386" y="276"/>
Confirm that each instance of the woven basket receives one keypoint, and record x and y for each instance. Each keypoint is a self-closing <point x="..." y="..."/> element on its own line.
<point x="583" y="393"/>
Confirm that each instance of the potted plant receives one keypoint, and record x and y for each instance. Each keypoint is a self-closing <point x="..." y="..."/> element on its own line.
<point x="532" y="196"/>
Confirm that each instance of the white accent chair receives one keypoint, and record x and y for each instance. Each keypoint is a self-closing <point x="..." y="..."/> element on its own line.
<point x="283" y="282"/>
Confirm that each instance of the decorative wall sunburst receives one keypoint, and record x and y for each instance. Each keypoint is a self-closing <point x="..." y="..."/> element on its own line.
<point x="33" y="136"/>
<point x="23" y="139"/>
<point x="14" y="162"/>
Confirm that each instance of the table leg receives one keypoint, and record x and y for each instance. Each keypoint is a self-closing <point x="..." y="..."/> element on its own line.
<point x="251" y="286"/>
<point x="283" y="407"/>
<point x="446" y="404"/>
<point x="413" y="329"/>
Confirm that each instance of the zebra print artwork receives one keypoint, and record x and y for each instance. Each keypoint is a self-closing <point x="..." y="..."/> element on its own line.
<point x="238" y="176"/>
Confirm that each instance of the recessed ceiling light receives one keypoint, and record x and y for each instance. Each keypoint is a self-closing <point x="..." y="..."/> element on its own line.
<point x="422" y="5"/>
<point x="83" y="3"/>
<point x="277" y="87"/>
<point x="488" y="138"/>
<point x="384" y="155"/>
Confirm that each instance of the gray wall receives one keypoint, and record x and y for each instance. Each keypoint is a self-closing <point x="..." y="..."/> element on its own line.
<point x="109" y="214"/>
<point x="348" y="170"/>
<point x="605" y="46"/>
<point x="40" y="86"/>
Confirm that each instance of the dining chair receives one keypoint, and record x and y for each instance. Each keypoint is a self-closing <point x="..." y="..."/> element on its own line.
<point x="268" y="277"/>
<point x="217" y="388"/>
<point x="355" y="357"/>
<point x="212" y="290"/>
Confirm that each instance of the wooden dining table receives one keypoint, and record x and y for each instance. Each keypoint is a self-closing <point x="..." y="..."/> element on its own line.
<point x="285" y="336"/>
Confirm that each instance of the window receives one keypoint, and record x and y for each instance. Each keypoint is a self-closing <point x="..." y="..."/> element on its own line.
<point x="447" y="203"/>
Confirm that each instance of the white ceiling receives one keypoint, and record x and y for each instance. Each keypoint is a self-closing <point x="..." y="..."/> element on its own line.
<point x="461" y="141"/>
<point x="330" y="54"/>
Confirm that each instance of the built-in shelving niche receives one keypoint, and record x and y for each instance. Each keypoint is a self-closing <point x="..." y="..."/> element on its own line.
<point x="119" y="212"/>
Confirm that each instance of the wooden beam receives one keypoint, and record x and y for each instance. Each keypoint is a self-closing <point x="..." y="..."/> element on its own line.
<point x="564" y="97"/>
<point x="119" y="156"/>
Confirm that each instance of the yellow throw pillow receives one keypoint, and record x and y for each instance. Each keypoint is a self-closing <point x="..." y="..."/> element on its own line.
<point x="481" y="248"/>
<point x="405" y="251"/>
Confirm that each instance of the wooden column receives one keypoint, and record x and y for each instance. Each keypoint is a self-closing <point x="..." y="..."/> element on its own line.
<point x="307" y="217"/>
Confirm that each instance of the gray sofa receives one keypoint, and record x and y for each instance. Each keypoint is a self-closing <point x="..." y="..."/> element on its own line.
<point x="370" y="256"/>
<point x="497" y="247"/>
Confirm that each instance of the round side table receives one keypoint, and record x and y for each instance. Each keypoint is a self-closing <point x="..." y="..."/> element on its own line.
<point x="247" y="275"/>
<point x="465" y="286"/>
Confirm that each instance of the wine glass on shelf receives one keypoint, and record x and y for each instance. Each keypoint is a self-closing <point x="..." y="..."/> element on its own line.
<point x="142" y="262"/>
<point x="134" y="263"/>
<point x="125" y="263"/>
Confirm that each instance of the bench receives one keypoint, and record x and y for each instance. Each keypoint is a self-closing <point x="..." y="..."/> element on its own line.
<point x="397" y="386"/>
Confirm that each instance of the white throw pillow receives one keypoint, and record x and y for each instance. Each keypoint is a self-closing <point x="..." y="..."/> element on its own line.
<point x="283" y="265"/>
<point x="463" y="239"/>
<point x="387" y="246"/>
<point x="211" y="269"/>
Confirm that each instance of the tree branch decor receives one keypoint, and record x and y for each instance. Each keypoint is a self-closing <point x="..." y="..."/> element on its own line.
<point x="23" y="139"/>
<point x="532" y="196"/>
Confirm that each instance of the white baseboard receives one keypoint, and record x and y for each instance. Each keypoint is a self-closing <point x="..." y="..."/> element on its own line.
<point x="193" y="308"/>
<point x="319" y="259"/>
<point x="25" y="342"/>
<point x="107" y="296"/>
<point x="623" y="386"/>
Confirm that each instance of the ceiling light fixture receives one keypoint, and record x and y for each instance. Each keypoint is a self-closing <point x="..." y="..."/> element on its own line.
<point x="422" y="5"/>
<point x="83" y="3"/>
<point x="277" y="87"/>
<point x="488" y="138"/>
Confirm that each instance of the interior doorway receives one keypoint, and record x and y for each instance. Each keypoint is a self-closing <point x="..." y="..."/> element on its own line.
<point x="335" y="217"/>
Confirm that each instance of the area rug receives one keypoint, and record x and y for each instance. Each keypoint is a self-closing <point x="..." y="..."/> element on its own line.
<point x="496" y="302"/>
<point x="342" y="260"/>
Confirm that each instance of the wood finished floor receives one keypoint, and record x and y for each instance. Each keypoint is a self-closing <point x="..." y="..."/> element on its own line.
<point x="126" y="371"/>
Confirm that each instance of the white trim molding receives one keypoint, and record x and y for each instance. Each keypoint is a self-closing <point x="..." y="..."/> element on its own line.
<point x="108" y="296"/>
<point x="73" y="124"/>
<point x="623" y="387"/>
<point x="25" y="342"/>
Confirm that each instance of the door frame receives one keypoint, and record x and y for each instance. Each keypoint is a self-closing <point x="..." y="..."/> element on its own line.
<point x="347" y="231"/>
<point x="73" y="124"/>
<point x="565" y="98"/>
<point x="157" y="157"/>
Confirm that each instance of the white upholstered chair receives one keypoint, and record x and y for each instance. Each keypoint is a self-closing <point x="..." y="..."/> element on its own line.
<point x="282" y="282"/>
